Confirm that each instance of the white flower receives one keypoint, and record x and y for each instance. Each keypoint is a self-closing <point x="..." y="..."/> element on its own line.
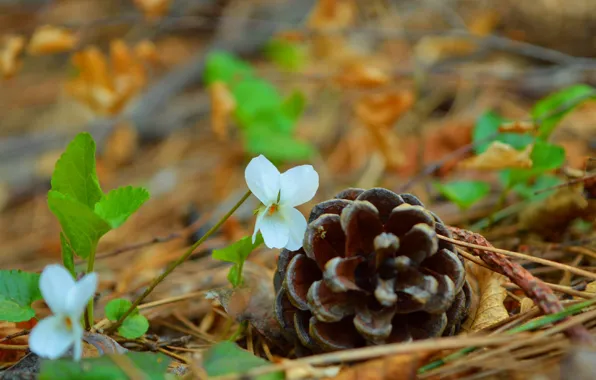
<point x="67" y="299"/>
<point x="281" y="225"/>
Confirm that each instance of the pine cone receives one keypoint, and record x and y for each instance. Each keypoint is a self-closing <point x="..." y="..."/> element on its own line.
<point x="371" y="271"/>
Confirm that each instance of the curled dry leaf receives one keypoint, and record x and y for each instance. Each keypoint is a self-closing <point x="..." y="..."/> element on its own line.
<point x="153" y="8"/>
<point x="398" y="367"/>
<point x="146" y="51"/>
<point x="358" y="74"/>
<point x="12" y="46"/>
<point x="222" y="106"/>
<point x="555" y="214"/>
<point x="331" y="15"/>
<point x="518" y="127"/>
<point x="525" y="305"/>
<point x="107" y="88"/>
<point x="385" y="108"/>
<point x="499" y="156"/>
<point x="433" y="49"/>
<point x="487" y="297"/>
<point x="307" y="371"/>
<point x="121" y="145"/>
<point x="48" y="39"/>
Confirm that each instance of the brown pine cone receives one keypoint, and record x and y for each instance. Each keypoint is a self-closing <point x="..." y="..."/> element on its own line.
<point x="371" y="271"/>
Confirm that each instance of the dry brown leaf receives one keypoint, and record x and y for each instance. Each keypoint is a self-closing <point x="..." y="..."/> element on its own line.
<point x="146" y="51"/>
<point x="499" y="156"/>
<point x="121" y="145"/>
<point x="525" y="305"/>
<point x="332" y="14"/>
<point x="222" y="106"/>
<point x="48" y="39"/>
<point x="358" y="74"/>
<point x="153" y="8"/>
<point x="107" y="88"/>
<point x="396" y="367"/>
<point x="432" y="49"/>
<point x="307" y="371"/>
<point x="384" y="109"/>
<point x="12" y="47"/>
<point x="518" y="127"/>
<point x="487" y="297"/>
<point x="484" y="23"/>
<point x="553" y="215"/>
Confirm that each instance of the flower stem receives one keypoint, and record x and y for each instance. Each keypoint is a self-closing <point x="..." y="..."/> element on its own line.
<point x="175" y="264"/>
<point x="90" y="265"/>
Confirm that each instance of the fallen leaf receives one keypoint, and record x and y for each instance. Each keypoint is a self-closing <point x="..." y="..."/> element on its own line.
<point x="358" y="74"/>
<point x="331" y="15"/>
<point x="153" y="8"/>
<point x="484" y="23"/>
<point x="121" y="145"/>
<point x="48" y="39"/>
<point x="518" y="127"/>
<point x="12" y="47"/>
<point x="553" y="215"/>
<point x="307" y="371"/>
<point x="146" y="51"/>
<point x="525" y="305"/>
<point x="385" y="108"/>
<point x="499" y="156"/>
<point x="487" y="296"/>
<point x="395" y="367"/>
<point x="222" y="106"/>
<point x="432" y="49"/>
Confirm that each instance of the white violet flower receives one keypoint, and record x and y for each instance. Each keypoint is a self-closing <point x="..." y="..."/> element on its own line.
<point x="281" y="225"/>
<point x="67" y="299"/>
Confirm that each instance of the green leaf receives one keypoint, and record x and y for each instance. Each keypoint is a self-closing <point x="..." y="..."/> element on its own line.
<point x="545" y="181"/>
<point x="463" y="193"/>
<point x="134" y="326"/>
<point x="238" y="251"/>
<point x="276" y="146"/>
<point x="75" y="174"/>
<point x="222" y="66"/>
<point x="152" y="366"/>
<point x="285" y="54"/>
<point x="549" y="111"/>
<point x="487" y="125"/>
<point x="117" y="205"/>
<point x="227" y="358"/>
<point x="67" y="255"/>
<point x="252" y="97"/>
<point x="294" y="105"/>
<point x="545" y="157"/>
<point x="116" y="308"/>
<point x="18" y="290"/>
<point x="81" y="226"/>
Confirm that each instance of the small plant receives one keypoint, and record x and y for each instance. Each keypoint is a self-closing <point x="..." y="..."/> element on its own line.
<point x="266" y="120"/>
<point x="545" y="156"/>
<point x="135" y="324"/>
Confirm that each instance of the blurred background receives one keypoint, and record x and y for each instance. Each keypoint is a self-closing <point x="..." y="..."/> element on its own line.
<point x="180" y="94"/>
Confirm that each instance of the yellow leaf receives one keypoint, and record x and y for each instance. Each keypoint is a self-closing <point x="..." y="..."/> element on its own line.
<point x="49" y="39"/>
<point x="499" y="156"/>
<point x="518" y="127"/>
<point x="487" y="296"/>
<point x="9" y="53"/>
<point x="146" y="51"/>
<point x="153" y="8"/>
<point x="222" y="105"/>
<point x="359" y="74"/>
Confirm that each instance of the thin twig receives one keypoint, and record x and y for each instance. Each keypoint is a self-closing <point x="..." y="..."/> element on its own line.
<point x="533" y="287"/>
<point x="15" y="335"/>
<point x="175" y="264"/>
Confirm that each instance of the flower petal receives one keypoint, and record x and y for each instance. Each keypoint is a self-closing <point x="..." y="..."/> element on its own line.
<point x="275" y="230"/>
<point x="296" y="223"/>
<point x="80" y="294"/>
<point x="258" y="222"/>
<point x="262" y="178"/>
<point x="298" y="185"/>
<point x="55" y="283"/>
<point x="50" y="338"/>
<point x="78" y="342"/>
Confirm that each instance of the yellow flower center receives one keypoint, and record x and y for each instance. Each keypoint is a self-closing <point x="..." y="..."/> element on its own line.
<point x="68" y="323"/>
<point x="272" y="209"/>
